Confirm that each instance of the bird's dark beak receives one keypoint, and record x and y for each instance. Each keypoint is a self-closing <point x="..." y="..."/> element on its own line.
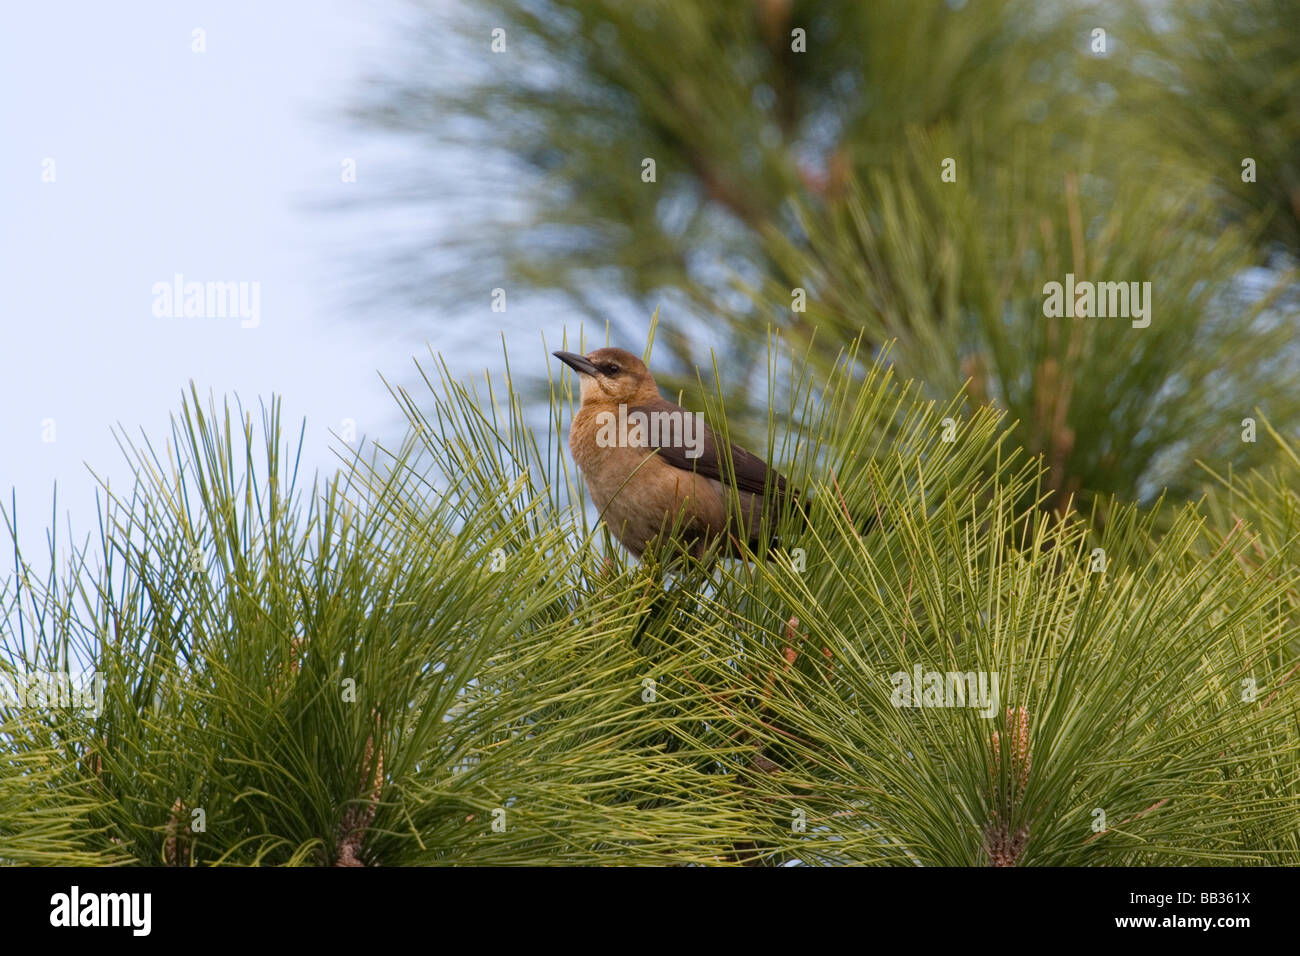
<point x="576" y="362"/>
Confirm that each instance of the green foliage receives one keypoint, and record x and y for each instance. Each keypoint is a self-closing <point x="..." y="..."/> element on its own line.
<point x="818" y="167"/>
<point x="956" y="272"/>
<point x="735" y="119"/>
<point x="1263" y="505"/>
<point x="1212" y="83"/>
<point x="380" y="667"/>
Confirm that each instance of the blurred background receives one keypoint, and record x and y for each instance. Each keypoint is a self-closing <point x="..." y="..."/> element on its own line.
<point x="400" y="176"/>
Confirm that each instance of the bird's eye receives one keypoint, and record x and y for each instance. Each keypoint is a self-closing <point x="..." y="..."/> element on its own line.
<point x="610" y="369"/>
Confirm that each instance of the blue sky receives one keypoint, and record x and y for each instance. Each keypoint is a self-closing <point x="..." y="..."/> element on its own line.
<point x="220" y="166"/>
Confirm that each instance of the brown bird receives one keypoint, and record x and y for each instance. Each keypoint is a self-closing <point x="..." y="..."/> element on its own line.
<point x="654" y="469"/>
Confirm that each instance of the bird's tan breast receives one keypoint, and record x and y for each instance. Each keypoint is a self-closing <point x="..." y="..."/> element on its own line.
<point x="637" y="492"/>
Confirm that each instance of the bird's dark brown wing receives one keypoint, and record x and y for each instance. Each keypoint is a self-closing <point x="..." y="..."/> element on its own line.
<point x="745" y="471"/>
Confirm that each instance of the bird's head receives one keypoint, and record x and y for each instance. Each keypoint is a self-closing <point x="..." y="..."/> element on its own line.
<point x="612" y="376"/>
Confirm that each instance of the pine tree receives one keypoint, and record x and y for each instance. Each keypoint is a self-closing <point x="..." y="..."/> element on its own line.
<point x="435" y="657"/>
